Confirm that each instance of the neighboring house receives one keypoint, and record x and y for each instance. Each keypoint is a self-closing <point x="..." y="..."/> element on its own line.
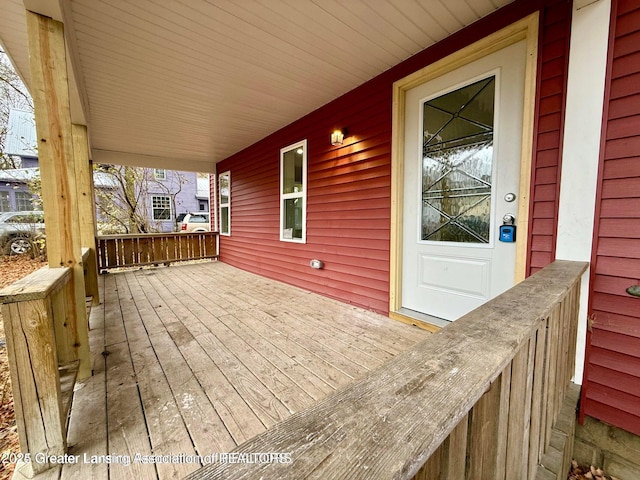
<point x="15" y="194"/>
<point x="172" y="193"/>
<point x="168" y="192"/>
<point x="20" y="140"/>
<point x="15" y="191"/>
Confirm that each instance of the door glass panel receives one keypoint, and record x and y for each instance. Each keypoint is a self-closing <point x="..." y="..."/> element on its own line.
<point x="457" y="160"/>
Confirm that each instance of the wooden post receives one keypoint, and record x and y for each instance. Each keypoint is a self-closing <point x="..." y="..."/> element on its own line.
<point x="86" y="208"/>
<point x="50" y="92"/>
<point x="32" y="323"/>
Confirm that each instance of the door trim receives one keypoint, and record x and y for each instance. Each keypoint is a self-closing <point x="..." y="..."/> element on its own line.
<point x="524" y="29"/>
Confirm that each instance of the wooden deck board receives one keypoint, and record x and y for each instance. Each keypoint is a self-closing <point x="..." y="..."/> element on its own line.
<point x="199" y="358"/>
<point x="204" y="424"/>
<point x="87" y="432"/>
<point x="238" y="417"/>
<point x="295" y="322"/>
<point x="166" y="423"/>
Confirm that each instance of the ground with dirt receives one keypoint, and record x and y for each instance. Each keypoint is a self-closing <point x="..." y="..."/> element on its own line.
<point x="11" y="269"/>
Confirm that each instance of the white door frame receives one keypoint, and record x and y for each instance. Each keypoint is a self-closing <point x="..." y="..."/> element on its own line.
<point x="524" y="29"/>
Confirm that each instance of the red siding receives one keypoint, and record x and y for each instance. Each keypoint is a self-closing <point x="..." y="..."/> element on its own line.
<point x="348" y="213"/>
<point x="545" y="175"/>
<point x="611" y="390"/>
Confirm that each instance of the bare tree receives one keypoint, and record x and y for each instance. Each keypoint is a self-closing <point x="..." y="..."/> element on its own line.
<point x="123" y="208"/>
<point x="13" y="94"/>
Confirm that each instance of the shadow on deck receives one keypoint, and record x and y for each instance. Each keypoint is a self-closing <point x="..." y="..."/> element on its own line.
<point x="196" y="359"/>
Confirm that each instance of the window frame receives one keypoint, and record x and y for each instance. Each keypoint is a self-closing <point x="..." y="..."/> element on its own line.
<point x="287" y="196"/>
<point x="153" y="208"/>
<point x="20" y="198"/>
<point x="160" y="173"/>
<point x="226" y="204"/>
<point x="6" y="204"/>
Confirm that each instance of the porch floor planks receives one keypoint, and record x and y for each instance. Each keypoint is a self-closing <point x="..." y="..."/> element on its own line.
<point x="203" y="357"/>
<point x="314" y="386"/>
<point x="127" y="427"/>
<point x="87" y="431"/>
<point x="393" y="338"/>
<point x="247" y="324"/>
<point x="239" y="419"/>
<point x="194" y="412"/>
<point x="288" y="314"/>
<point x="272" y="390"/>
<point x="166" y="422"/>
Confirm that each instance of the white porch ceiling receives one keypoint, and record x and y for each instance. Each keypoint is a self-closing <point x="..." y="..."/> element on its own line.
<point x="186" y="83"/>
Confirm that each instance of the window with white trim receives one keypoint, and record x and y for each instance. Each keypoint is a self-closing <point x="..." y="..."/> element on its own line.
<point x="224" y="189"/>
<point x="160" y="173"/>
<point x="161" y="207"/>
<point x="293" y="193"/>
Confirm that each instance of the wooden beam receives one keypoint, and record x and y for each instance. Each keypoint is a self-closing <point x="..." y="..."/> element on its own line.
<point x="86" y="208"/>
<point x="50" y="91"/>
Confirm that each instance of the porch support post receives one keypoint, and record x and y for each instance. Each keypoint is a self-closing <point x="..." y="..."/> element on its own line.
<point x="581" y="145"/>
<point x="86" y="208"/>
<point x="50" y="91"/>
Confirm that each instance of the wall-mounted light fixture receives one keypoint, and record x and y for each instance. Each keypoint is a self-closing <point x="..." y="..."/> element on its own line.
<point x="337" y="137"/>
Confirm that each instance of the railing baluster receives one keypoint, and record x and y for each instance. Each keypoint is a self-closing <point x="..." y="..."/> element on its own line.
<point x="519" y="413"/>
<point x="537" y="408"/>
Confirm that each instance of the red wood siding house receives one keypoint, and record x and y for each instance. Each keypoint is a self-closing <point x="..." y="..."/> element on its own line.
<point x="349" y="187"/>
<point x="349" y="195"/>
<point x="611" y="388"/>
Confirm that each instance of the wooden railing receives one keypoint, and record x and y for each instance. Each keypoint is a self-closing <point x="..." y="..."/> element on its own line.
<point x="475" y="400"/>
<point x="42" y="346"/>
<point x="155" y="248"/>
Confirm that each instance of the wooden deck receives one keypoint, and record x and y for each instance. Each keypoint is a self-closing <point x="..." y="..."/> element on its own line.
<point x="196" y="359"/>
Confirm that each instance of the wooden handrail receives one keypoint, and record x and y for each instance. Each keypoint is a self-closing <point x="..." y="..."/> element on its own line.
<point x="480" y="395"/>
<point x="42" y="347"/>
<point x="131" y="250"/>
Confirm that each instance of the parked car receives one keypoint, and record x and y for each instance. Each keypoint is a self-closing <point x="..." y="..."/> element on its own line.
<point x="195" y="222"/>
<point x="20" y="230"/>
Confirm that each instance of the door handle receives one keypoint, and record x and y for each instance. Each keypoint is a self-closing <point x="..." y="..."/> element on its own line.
<point x="509" y="219"/>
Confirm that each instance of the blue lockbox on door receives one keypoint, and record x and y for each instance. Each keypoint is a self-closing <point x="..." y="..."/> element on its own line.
<point x="508" y="233"/>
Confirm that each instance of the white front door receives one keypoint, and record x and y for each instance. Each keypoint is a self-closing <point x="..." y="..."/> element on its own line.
<point x="462" y="170"/>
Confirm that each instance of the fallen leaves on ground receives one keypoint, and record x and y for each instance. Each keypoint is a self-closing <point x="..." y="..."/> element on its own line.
<point x="11" y="269"/>
<point x="590" y="473"/>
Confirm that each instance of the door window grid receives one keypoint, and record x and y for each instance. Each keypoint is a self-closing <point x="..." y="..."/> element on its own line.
<point x="457" y="164"/>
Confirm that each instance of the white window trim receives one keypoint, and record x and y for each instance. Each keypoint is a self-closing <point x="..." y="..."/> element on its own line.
<point x="160" y="176"/>
<point x="285" y="196"/>
<point x="153" y="209"/>
<point x="224" y="205"/>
